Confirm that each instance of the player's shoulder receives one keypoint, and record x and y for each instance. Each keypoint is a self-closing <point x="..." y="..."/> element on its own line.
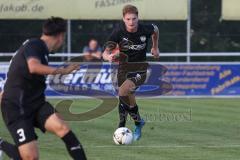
<point x="146" y="28"/>
<point x="34" y="42"/>
<point x="34" y="47"/>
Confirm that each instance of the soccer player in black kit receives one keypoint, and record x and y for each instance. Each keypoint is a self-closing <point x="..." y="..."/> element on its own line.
<point x="23" y="102"/>
<point x="131" y="38"/>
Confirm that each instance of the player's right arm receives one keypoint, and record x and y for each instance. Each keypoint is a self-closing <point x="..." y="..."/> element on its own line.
<point x="33" y="54"/>
<point x="36" y="67"/>
<point x="111" y="44"/>
<point x="107" y="56"/>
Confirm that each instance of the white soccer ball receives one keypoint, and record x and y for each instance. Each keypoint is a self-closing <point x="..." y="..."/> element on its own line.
<point x="122" y="136"/>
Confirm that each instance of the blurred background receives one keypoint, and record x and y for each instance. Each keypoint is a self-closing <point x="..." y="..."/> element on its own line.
<point x="200" y="52"/>
<point x="210" y="28"/>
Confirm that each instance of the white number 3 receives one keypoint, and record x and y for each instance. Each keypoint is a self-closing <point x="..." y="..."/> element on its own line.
<point x="21" y="134"/>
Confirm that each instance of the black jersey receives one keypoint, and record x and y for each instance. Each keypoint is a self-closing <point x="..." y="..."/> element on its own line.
<point x="21" y="86"/>
<point x="134" y="45"/>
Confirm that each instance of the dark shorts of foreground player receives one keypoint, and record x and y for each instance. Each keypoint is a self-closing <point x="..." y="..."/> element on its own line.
<point x="21" y="119"/>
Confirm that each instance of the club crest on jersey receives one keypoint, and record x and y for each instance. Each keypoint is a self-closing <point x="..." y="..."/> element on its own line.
<point x="143" y="38"/>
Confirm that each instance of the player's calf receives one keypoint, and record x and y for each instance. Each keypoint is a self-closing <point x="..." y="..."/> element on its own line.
<point x="73" y="146"/>
<point x="123" y="112"/>
<point x="56" y="125"/>
<point x="125" y="90"/>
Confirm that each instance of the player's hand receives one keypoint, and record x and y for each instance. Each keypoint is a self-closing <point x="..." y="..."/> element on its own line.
<point x="70" y="68"/>
<point x="155" y="52"/>
<point x="111" y="57"/>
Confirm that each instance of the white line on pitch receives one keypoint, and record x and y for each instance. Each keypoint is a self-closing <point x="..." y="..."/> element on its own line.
<point x="139" y="146"/>
<point x="180" y="146"/>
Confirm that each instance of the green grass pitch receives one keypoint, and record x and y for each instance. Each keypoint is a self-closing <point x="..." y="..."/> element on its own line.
<point x="176" y="129"/>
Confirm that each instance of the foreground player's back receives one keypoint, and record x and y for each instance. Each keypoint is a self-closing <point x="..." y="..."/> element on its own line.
<point x="19" y="79"/>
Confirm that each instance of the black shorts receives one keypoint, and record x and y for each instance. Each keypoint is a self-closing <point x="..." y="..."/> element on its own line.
<point x="136" y="72"/>
<point x="21" y="123"/>
<point x="138" y="78"/>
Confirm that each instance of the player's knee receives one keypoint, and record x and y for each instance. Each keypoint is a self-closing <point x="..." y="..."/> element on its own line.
<point x="29" y="151"/>
<point x="126" y="88"/>
<point x="123" y="91"/>
<point x="30" y="156"/>
<point x="62" y="130"/>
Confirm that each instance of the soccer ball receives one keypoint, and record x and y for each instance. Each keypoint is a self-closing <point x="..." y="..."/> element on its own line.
<point x="122" y="136"/>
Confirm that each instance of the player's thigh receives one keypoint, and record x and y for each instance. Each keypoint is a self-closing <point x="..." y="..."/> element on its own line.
<point x="22" y="131"/>
<point x="133" y="81"/>
<point x="25" y="138"/>
<point x="29" y="151"/>
<point x="19" y="125"/>
<point x="48" y="119"/>
<point x="57" y="125"/>
<point x="127" y="87"/>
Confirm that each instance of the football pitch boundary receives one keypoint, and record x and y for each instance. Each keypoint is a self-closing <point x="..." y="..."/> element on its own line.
<point x="167" y="146"/>
<point x="212" y="133"/>
<point x="157" y="97"/>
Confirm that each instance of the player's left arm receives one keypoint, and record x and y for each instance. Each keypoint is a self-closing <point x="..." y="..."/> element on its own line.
<point x="155" y="37"/>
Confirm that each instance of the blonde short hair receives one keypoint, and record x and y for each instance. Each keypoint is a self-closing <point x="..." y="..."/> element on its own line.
<point x="129" y="9"/>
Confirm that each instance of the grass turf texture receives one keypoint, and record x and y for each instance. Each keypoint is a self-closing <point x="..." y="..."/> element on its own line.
<point x="182" y="129"/>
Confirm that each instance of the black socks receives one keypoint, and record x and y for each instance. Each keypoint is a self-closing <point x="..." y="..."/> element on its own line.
<point x="124" y="110"/>
<point x="123" y="113"/>
<point x="135" y="114"/>
<point x="10" y="150"/>
<point x="73" y="146"/>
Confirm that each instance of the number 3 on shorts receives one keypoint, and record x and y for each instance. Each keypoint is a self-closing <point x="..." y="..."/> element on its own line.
<point x="21" y="134"/>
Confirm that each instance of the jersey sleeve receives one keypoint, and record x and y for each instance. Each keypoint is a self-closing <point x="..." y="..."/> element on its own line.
<point x="32" y="50"/>
<point x="150" y="29"/>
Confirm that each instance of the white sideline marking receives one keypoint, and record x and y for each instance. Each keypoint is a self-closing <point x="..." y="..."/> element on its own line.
<point x="143" y="146"/>
<point x="173" y="146"/>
